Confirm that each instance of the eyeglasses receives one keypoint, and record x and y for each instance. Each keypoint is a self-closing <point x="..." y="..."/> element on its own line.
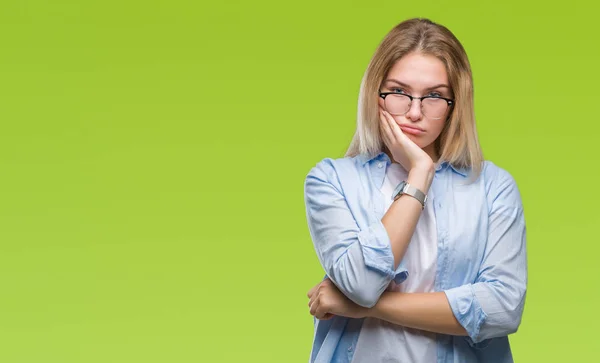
<point x="433" y="107"/>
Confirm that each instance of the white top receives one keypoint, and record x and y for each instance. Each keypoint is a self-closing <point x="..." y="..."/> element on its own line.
<point x="379" y="340"/>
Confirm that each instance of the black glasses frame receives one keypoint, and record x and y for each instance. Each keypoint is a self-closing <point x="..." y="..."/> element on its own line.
<point x="384" y="95"/>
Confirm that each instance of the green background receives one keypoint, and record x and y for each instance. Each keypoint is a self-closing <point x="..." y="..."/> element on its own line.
<point x="153" y="154"/>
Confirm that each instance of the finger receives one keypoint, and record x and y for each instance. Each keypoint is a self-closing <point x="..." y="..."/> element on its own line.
<point x="389" y="124"/>
<point x="312" y="290"/>
<point x="395" y="132"/>
<point x="312" y="299"/>
<point x="384" y="122"/>
<point x="328" y="316"/>
<point x="320" y="312"/>
<point x="313" y="307"/>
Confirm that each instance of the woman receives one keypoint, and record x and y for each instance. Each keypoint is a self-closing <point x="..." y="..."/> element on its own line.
<point x="423" y="241"/>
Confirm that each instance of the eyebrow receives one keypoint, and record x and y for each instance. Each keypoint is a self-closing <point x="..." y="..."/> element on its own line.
<point x="407" y="86"/>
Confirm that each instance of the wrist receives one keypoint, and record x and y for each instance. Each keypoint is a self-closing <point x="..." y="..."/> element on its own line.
<point x="367" y="312"/>
<point x="424" y="166"/>
<point x="371" y="312"/>
<point x="421" y="177"/>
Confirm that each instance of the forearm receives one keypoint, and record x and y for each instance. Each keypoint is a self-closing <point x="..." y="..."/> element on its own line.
<point x="401" y="218"/>
<point x="423" y="311"/>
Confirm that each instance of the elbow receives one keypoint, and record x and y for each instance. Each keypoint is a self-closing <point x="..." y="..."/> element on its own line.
<point x="363" y="292"/>
<point x="487" y="311"/>
<point x="360" y="276"/>
<point x="361" y="285"/>
<point x="500" y="329"/>
<point x="514" y="327"/>
<point x="514" y="321"/>
<point x="506" y="322"/>
<point x="514" y="313"/>
<point x="507" y="327"/>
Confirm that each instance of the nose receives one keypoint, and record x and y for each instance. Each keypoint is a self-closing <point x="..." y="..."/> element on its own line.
<point x="414" y="112"/>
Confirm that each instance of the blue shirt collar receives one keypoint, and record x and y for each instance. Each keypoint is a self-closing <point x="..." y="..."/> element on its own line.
<point x="364" y="159"/>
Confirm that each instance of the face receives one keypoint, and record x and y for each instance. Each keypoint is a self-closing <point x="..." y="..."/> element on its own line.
<point x="419" y="75"/>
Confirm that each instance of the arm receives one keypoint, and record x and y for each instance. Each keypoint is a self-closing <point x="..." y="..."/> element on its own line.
<point x="361" y="262"/>
<point x="489" y="307"/>
<point x="400" y="220"/>
<point x="424" y="311"/>
<point x="492" y="306"/>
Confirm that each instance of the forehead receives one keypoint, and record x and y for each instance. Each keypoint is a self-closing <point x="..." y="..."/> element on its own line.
<point x="419" y="71"/>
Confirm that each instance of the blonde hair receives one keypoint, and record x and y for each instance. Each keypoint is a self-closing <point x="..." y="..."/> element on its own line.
<point x="458" y="143"/>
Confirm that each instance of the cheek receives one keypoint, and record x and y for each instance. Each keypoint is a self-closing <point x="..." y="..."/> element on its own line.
<point x="437" y="126"/>
<point x="435" y="129"/>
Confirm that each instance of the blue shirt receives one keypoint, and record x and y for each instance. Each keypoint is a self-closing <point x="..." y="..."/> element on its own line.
<point x="481" y="267"/>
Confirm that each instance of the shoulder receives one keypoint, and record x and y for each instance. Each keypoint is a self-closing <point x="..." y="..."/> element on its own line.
<point x="330" y="175"/>
<point x="330" y="169"/>
<point x="500" y="186"/>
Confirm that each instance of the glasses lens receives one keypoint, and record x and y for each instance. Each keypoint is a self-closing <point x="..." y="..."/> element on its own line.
<point x="397" y="104"/>
<point x="434" y="107"/>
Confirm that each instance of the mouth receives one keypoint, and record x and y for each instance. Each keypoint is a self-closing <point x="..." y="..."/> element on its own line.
<point x="412" y="130"/>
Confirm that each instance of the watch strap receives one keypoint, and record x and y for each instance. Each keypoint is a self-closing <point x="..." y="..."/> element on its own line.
<point x="405" y="188"/>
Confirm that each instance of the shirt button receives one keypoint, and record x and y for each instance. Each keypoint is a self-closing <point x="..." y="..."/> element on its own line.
<point x="380" y="165"/>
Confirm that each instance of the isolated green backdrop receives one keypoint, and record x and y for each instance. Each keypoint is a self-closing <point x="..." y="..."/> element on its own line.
<point x="153" y="154"/>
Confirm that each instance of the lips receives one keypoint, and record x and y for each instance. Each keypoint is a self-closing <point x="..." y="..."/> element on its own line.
<point x="411" y="130"/>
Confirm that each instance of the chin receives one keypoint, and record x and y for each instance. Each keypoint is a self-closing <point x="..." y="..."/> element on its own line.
<point x="419" y="141"/>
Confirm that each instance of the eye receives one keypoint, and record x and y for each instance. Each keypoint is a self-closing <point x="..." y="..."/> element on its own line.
<point x="435" y="94"/>
<point x="397" y="90"/>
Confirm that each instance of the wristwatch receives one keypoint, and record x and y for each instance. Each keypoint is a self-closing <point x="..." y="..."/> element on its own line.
<point x="405" y="188"/>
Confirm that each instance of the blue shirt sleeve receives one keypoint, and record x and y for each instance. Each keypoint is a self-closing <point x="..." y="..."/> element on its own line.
<point x="492" y="306"/>
<point x="359" y="261"/>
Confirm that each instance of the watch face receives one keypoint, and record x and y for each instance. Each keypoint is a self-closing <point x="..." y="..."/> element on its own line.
<point x="401" y="185"/>
<point x="399" y="189"/>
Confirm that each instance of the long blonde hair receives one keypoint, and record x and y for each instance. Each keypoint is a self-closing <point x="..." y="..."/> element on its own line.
<point x="458" y="143"/>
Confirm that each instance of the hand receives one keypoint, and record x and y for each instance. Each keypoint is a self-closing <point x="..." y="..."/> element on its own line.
<point x="402" y="148"/>
<point x="326" y="300"/>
